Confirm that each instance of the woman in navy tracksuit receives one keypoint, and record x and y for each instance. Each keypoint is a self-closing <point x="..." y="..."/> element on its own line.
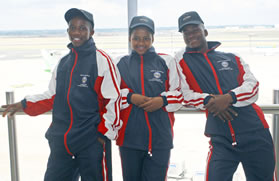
<point x="223" y="84"/>
<point x="84" y="95"/>
<point x="150" y="93"/>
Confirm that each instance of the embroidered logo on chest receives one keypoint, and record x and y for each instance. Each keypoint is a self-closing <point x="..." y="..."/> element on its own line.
<point x="84" y="81"/>
<point x="156" y="75"/>
<point x="224" y="63"/>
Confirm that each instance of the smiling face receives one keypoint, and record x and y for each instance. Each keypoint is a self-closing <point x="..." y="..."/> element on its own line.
<point x="141" y="40"/>
<point x="195" y="37"/>
<point x="79" y="31"/>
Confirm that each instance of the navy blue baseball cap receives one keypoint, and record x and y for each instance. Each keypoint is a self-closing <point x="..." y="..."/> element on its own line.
<point x="142" y="21"/>
<point x="74" y="12"/>
<point x="191" y="17"/>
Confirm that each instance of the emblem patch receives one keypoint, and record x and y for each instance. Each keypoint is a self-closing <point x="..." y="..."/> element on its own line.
<point x="157" y="74"/>
<point x="84" y="79"/>
<point x="224" y="63"/>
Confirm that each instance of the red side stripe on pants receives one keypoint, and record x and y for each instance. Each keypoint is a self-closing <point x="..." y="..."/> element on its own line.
<point x="208" y="160"/>
<point x="104" y="165"/>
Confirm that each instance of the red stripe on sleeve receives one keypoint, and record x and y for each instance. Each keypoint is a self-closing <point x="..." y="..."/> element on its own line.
<point x="190" y="79"/>
<point x="102" y="105"/>
<point x="40" y="107"/>
<point x="241" y="71"/>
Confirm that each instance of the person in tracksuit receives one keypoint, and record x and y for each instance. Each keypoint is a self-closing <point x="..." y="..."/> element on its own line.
<point x="85" y="97"/>
<point x="223" y="84"/>
<point x="150" y="90"/>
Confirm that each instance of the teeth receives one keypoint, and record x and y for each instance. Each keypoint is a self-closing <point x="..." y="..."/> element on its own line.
<point x="76" y="39"/>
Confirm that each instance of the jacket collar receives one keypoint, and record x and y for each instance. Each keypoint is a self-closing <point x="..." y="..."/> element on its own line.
<point x="87" y="47"/>
<point x="212" y="45"/>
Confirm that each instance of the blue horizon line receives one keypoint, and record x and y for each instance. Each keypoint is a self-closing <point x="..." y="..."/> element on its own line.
<point x="44" y="32"/>
<point x="165" y="27"/>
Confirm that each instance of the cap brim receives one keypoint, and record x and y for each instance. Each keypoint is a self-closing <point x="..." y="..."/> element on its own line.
<point x="189" y="23"/>
<point x="142" y="24"/>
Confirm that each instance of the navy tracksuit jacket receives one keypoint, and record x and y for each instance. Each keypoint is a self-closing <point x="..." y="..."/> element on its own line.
<point x="151" y="75"/>
<point x="146" y="138"/>
<point x="215" y="72"/>
<point x="84" y="94"/>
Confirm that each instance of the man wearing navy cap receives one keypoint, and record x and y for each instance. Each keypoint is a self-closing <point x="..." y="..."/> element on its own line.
<point x="84" y="95"/>
<point x="223" y="85"/>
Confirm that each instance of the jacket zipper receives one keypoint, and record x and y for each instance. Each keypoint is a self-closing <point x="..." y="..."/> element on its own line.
<point x="70" y="107"/>
<point x="145" y="113"/>
<point x="221" y="92"/>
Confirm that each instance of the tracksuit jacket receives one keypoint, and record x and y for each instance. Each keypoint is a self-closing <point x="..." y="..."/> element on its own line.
<point x="84" y="103"/>
<point x="152" y="75"/>
<point x="215" y="72"/>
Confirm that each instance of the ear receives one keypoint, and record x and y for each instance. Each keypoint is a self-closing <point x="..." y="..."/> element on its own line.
<point x="205" y="32"/>
<point x="152" y="38"/>
<point x="92" y="32"/>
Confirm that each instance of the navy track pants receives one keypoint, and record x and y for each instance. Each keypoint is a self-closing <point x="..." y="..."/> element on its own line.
<point x="138" y="165"/>
<point x="91" y="164"/>
<point x="254" y="150"/>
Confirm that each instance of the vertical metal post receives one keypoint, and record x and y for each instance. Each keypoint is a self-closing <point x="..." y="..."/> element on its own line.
<point x="275" y="129"/>
<point x="132" y="11"/>
<point x="12" y="140"/>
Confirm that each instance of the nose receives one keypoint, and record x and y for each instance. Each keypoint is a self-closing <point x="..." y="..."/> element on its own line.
<point x="76" y="31"/>
<point x="190" y="34"/>
<point x="141" y="41"/>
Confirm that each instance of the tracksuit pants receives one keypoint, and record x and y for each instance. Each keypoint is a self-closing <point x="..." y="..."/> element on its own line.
<point x="254" y="150"/>
<point x="138" y="165"/>
<point x="91" y="164"/>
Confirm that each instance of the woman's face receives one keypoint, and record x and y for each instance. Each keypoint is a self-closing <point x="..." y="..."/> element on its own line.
<point x="141" y="40"/>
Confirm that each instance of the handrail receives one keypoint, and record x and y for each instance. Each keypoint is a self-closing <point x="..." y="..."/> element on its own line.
<point x="266" y="108"/>
<point x="12" y="140"/>
<point x="275" y="130"/>
<point x="23" y="113"/>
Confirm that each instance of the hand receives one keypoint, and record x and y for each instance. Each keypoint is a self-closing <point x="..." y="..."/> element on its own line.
<point x="139" y="99"/>
<point x="227" y="114"/>
<point x="101" y="140"/>
<point x="152" y="104"/>
<point x="219" y="103"/>
<point x="13" y="108"/>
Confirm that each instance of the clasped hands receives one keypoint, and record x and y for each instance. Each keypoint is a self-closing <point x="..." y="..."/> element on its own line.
<point x="220" y="105"/>
<point x="148" y="104"/>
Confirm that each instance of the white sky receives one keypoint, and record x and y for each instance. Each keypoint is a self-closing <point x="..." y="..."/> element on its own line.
<point x="49" y="14"/>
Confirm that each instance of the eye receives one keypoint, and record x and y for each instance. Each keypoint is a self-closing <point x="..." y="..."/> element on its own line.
<point x="146" y="38"/>
<point x="136" y="38"/>
<point x="72" y="28"/>
<point x="192" y="31"/>
<point x="83" y="28"/>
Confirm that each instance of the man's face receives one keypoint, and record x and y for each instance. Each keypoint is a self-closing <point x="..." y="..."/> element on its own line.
<point x="194" y="36"/>
<point x="79" y="31"/>
<point x="141" y="40"/>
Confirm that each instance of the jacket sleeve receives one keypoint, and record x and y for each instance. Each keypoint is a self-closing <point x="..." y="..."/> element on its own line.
<point x="109" y="96"/>
<point x="37" y="104"/>
<point x="172" y="94"/>
<point x="247" y="91"/>
<point x="125" y="90"/>
<point x="192" y="94"/>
